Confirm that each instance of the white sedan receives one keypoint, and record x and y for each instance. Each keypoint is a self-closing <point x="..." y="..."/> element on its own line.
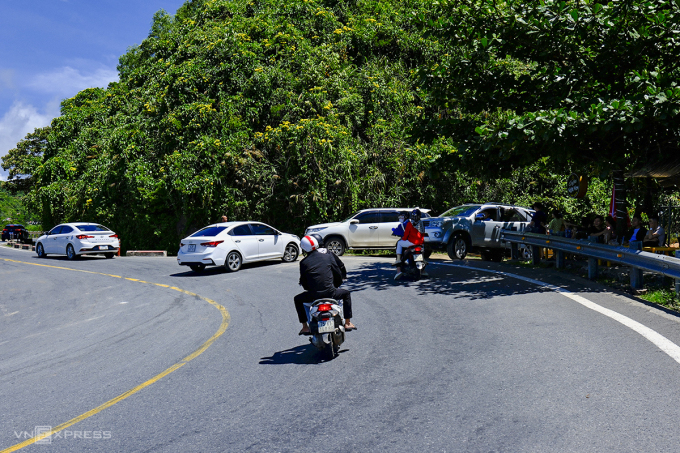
<point x="231" y="244"/>
<point x="79" y="238"/>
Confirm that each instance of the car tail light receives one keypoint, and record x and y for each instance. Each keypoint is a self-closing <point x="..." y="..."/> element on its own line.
<point x="84" y="236"/>
<point x="324" y="307"/>
<point x="211" y="243"/>
<point x="114" y="236"/>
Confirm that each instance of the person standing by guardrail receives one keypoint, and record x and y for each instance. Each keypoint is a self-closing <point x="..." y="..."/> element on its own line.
<point x="538" y="220"/>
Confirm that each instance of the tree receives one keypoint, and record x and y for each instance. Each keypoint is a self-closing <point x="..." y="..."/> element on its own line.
<point x="589" y="83"/>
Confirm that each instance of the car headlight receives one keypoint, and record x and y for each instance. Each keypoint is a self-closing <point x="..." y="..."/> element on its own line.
<point x="436" y="224"/>
<point x="314" y="230"/>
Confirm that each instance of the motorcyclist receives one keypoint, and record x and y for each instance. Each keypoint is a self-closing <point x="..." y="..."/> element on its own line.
<point x="412" y="236"/>
<point x="321" y="273"/>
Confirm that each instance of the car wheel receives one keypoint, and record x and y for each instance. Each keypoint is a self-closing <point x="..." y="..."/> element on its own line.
<point x="458" y="247"/>
<point x="40" y="250"/>
<point x="108" y="255"/>
<point x="70" y="252"/>
<point x="197" y="267"/>
<point x="233" y="262"/>
<point x="336" y="245"/>
<point x="525" y="252"/>
<point x="291" y="253"/>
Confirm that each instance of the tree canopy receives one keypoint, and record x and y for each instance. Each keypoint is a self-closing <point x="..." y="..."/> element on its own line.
<point x="585" y="82"/>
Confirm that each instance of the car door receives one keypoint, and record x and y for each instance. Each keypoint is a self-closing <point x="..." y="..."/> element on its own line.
<point x="486" y="232"/>
<point x="62" y="239"/>
<point x="513" y="219"/>
<point x="270" y="244"/>
<point x="388" y="220"/>
<point x="50" y="242"/>
<point x="245" y="241"/>
<point x="364" y="232"/>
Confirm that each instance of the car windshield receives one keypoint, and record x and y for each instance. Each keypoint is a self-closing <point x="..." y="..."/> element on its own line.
<point x="460" y="211"/>
<point x="209" y="231"/>
<point x="92" y="228"/>
<point x="350" y="217"/>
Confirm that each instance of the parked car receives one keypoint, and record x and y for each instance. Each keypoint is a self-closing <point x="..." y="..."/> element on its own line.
<point x="76" y="239"/>
<point x="232" y="244"/>
<point x="368" y="229"/>
<point x="475" y="227"/>
<point x="15" y="231"/>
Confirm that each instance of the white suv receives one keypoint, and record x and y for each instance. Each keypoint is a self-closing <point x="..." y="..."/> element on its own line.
<point x="368" y="229"/>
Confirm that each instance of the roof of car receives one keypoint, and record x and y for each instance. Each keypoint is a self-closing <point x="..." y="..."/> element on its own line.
<point x="394" y="209"/>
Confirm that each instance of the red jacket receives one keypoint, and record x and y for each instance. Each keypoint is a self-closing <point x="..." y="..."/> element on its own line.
<point x="412" y="235"/>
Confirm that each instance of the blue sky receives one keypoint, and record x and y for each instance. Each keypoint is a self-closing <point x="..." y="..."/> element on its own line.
<point x="51" y="49"/>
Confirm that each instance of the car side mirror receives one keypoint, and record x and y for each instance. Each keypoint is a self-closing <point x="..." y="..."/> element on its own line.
<point x="354" y="221"/>
<point x="479" y="216"/>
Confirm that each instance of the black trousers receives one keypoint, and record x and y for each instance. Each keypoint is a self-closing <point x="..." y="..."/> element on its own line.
<point x="309" y="296"/>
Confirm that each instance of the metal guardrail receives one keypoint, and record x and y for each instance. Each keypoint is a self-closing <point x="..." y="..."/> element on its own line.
<point x="636" y="259"/>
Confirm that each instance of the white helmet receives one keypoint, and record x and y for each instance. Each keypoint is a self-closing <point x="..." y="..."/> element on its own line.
<point x="309" y="244"/>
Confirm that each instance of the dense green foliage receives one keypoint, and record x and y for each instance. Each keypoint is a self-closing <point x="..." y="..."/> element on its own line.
<point x="304" y="111"/>
<point x="588" y="83"/>
<point x="13" y="210"/>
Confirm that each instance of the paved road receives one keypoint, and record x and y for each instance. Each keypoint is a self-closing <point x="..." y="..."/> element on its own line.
<point x="469" y="360"/>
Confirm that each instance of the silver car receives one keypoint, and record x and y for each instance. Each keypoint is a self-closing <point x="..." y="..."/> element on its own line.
<point x="475" y="227"/>
<point x="368" y="229"/>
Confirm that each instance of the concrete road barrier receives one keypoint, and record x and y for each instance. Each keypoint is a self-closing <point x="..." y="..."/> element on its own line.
<point x="146" y="253"/>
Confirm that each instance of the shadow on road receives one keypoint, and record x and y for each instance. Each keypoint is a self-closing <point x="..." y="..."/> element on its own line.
<point x="458" y="282"/>
<point x="305" y="354"/>
<point x="218" y="270"/>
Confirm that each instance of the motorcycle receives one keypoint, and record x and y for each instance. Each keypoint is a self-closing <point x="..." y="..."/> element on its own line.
<point x="327" y="325"/>
<point x="412" y="262"/>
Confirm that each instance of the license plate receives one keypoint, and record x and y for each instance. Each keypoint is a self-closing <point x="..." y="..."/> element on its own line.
<point x="103" y="247"/>
<point x="418" y="257"/>
<point x="192" y="247"/>
<point x="326" y="326"/>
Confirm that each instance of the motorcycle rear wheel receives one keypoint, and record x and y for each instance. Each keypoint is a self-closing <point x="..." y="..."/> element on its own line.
<point x="329" y="349"/>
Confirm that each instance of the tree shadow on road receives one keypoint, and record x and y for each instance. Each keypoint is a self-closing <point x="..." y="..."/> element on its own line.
<point x="306" y="354"/>
<point x="459" y="282"/>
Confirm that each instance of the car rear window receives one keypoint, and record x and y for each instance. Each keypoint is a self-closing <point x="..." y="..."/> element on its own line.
<point x="92" y="228"/>
<point x="209" y="231"/>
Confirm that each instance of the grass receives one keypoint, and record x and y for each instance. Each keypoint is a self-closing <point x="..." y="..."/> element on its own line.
<point x="662" y="296"/>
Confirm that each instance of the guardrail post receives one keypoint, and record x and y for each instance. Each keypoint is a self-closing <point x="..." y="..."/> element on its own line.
<point x="636" y="281"/>
<point x="514" y="251"/>
<point x="559" y="259"/>
<point x="677" y="280"/>
<point x="535" y="255"/>
<point x="592" y="268"/>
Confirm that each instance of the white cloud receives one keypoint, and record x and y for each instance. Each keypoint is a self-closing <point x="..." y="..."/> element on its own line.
<point x="67" y="81"/>
<point x="20" y="120"/>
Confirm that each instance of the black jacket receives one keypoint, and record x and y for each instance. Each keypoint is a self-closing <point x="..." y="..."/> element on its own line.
<point x="321" y="272"/>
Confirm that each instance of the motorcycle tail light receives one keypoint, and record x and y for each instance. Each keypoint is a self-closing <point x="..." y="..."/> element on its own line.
<point x="84" y="236"/>
<point x="325" y="307"/>
<point x="211" y="243"/>
<point x="418" y="249"/>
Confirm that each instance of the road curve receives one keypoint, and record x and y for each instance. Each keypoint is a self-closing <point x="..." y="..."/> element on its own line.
<point x="465" y="361"/>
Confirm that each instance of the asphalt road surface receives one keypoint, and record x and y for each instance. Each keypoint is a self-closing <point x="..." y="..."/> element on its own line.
<point x="133" y="355"/>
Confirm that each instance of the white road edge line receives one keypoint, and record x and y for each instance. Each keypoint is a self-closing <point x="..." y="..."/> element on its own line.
<point x="659" y="340"/>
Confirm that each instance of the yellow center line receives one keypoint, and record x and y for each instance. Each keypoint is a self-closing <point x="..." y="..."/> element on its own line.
<point x="223" y="327"/>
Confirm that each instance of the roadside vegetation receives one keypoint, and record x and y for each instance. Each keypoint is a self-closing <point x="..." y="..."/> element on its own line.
<point x="304" y="111"/>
